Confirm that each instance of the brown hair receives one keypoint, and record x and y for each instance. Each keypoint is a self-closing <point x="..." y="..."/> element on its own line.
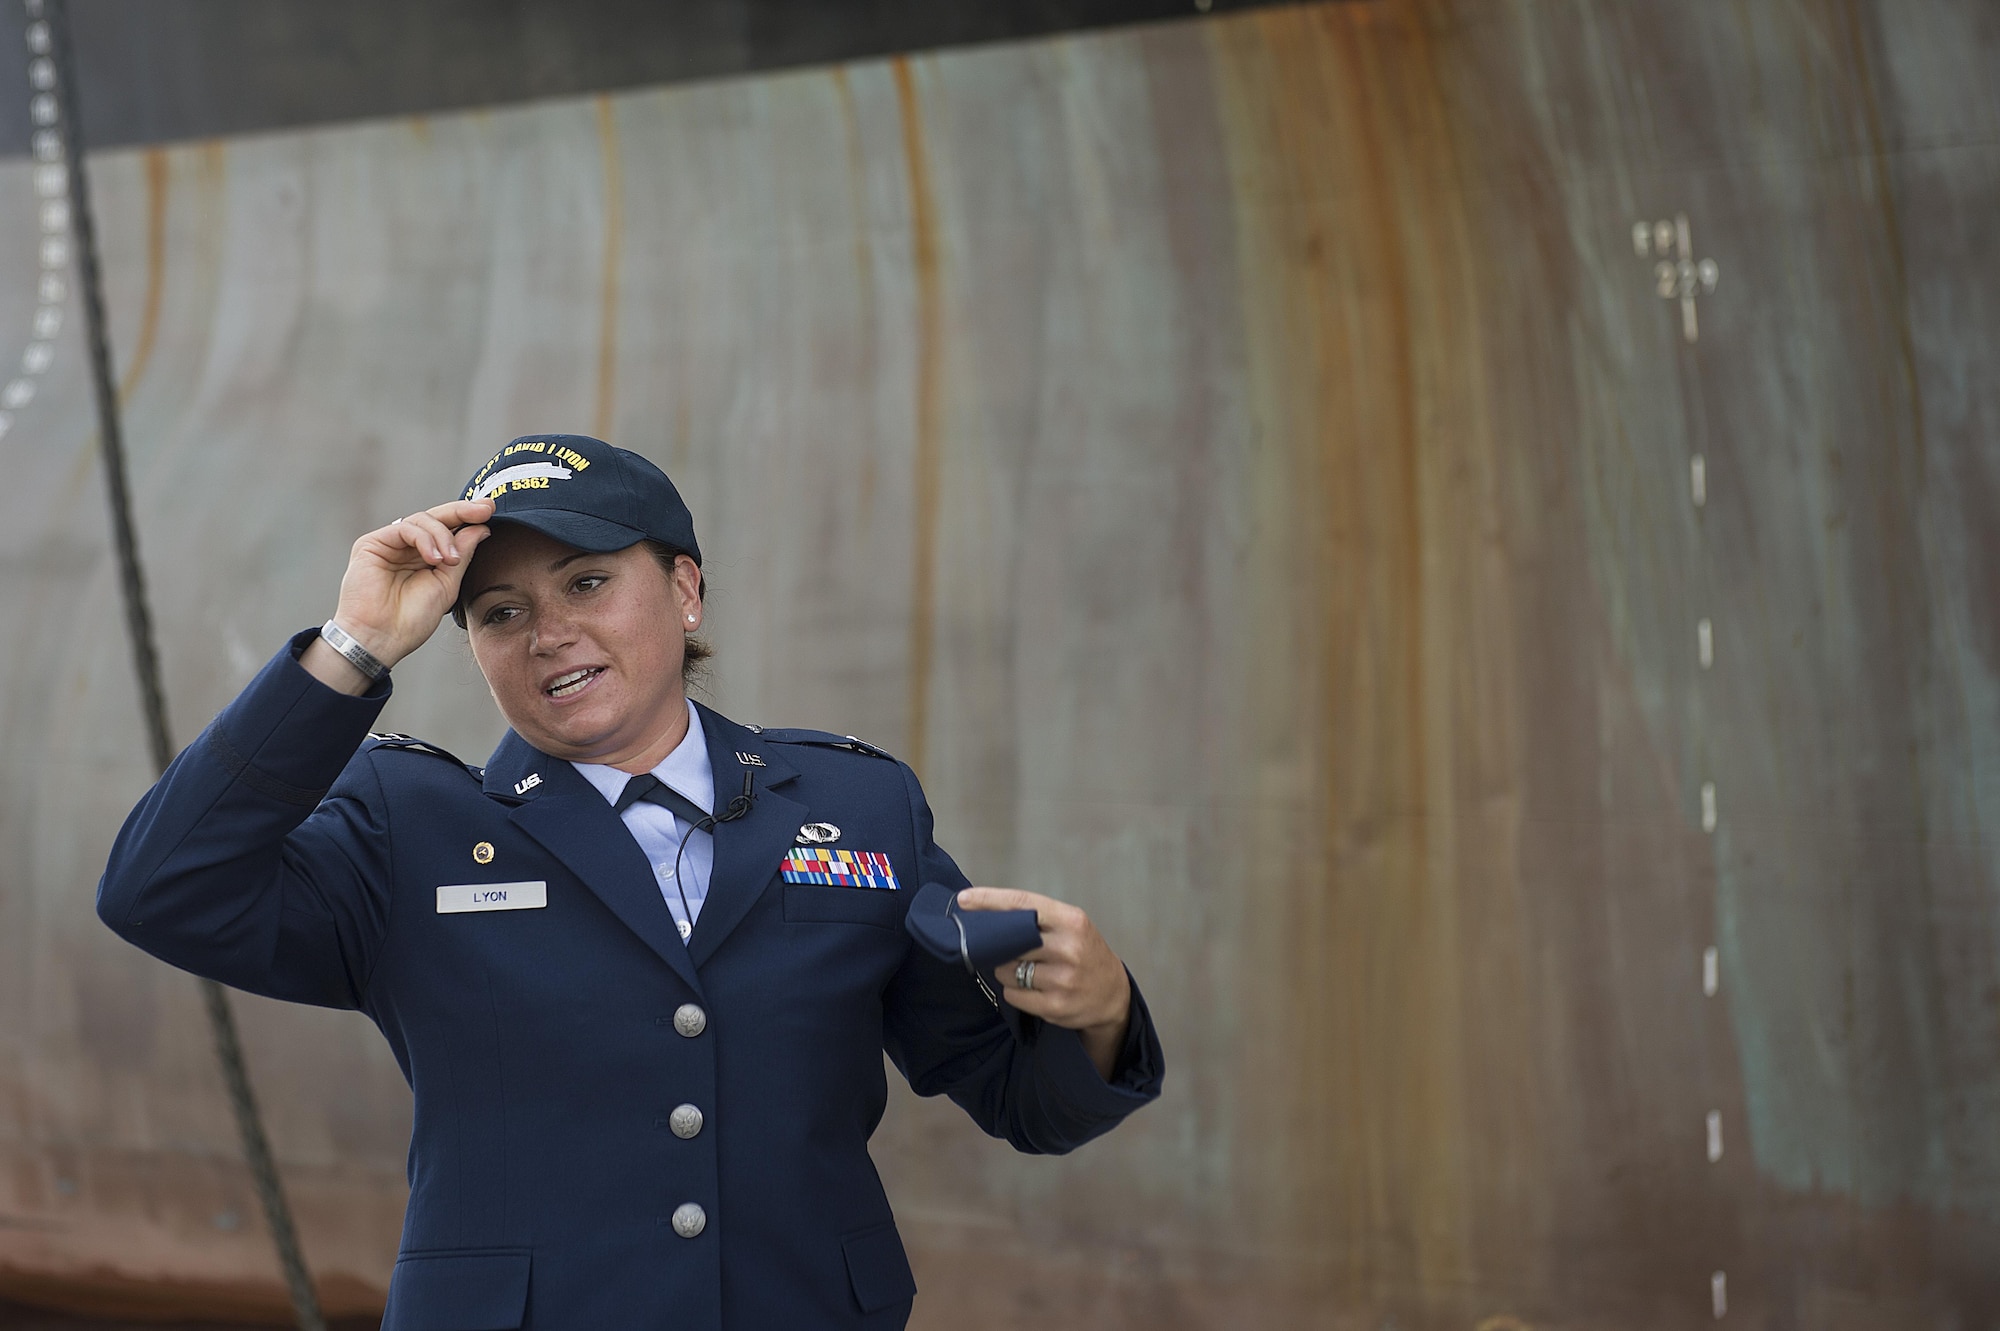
<point x="696" y="655"/>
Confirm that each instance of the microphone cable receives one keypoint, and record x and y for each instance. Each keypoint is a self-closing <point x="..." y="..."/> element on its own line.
<point x="739" y="806"/>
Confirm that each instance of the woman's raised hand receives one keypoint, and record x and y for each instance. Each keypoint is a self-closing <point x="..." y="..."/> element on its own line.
<point x="400" y="581"/>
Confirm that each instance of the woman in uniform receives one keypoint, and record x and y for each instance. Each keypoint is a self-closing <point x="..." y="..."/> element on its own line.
<point x="641" y="968"/>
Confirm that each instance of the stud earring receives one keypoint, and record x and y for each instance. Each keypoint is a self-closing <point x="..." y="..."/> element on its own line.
<point x="690" y="619"/>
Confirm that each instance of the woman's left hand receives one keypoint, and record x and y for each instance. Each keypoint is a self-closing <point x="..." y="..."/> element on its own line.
<point x="1078" y="980"/>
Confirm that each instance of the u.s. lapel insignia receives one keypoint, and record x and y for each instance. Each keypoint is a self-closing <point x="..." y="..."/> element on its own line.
<point x="818" y="834"/>
<point x="527" y="783"/>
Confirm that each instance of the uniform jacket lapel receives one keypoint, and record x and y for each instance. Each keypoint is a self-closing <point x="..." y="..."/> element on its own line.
<point x="558" y="808"/>
<point x="748" y="849"/>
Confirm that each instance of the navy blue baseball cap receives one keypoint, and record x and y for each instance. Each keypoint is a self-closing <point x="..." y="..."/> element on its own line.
<point x="585" y="493"/>
<point x="979" y="940"/>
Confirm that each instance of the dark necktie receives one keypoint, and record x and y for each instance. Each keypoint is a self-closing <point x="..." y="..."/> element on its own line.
<point x="651" y="789"/>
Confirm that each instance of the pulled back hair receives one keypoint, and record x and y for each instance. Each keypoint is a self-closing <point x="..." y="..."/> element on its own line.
<point x="697" y="653"/>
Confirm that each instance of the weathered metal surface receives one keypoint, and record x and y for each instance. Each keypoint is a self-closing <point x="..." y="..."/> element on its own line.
<point x="1247" y="465"/>
<point x="157" y="71"/>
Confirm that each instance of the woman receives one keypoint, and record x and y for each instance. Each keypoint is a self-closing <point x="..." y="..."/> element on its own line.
<point x="639" y="970"/>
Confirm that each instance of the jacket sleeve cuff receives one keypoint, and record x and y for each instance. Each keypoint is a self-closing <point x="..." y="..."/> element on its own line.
<point x="290" y="733"/>
<point x="1135" y="1078"/>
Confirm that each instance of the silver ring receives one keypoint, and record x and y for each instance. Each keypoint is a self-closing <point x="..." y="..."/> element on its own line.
<point x="1024" y="974"/>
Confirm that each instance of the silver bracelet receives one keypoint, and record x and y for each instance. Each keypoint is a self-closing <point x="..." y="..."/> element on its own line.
<point x="357" y="656"/>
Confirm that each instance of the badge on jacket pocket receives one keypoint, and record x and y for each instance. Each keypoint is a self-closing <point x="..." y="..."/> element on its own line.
<point x="457" y="898"/>
<point x="838" y="868"/>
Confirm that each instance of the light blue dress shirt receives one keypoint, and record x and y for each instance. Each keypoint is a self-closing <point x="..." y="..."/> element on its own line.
<point x="659" y="832"/>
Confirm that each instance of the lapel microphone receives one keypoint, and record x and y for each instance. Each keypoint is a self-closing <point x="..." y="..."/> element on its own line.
<point x="739" y="805"/>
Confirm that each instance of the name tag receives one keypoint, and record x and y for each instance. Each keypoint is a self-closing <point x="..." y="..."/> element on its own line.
<point x="460" y="897"/>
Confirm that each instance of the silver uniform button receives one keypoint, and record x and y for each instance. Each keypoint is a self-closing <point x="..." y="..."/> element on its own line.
<point x="685" y="1121"/>
<point x="690" y="1020"/>
<point x="689" y="1220"/>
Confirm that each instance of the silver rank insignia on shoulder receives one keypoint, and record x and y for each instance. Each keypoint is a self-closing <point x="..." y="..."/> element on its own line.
<point x="818" y="834"/>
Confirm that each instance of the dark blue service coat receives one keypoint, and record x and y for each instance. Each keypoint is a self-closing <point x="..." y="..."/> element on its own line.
<point x="287" y="854"/>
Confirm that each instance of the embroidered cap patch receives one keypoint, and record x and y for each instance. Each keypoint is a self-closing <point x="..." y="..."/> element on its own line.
<point x="838" y="868"/>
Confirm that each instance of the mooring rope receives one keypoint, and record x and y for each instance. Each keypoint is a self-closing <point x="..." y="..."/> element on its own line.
<point x="51" y="182"/>
<point x="49" y="31"/>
